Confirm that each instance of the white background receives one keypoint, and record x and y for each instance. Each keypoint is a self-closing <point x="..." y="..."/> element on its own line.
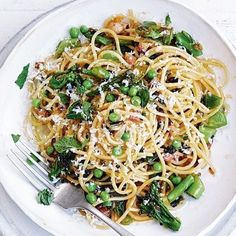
<point x="14" y="14"/>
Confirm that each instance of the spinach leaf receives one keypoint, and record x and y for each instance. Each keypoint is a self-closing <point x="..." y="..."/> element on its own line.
<point x="143" y="93"/>
<point x="79" y="111"/>
<point x="45" y="197"/>
<point x="211" y="101"/>
<point x="15" y="137"/>
<point x="66" y="142"/>
<point x="22" y="76"/>
<point x="185" y="40"/>
<point x="64" y="98"/>
<point x="167" y="20"/>
<point x="119" y="208"/>
<point x="64" y="44"/>
<point x="55" y="170"/>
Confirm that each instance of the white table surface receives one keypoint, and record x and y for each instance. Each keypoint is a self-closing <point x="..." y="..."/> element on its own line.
<point x="14" y="14"/>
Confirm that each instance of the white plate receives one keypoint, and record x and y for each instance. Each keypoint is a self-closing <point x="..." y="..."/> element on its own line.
<point x="198" y="216"/>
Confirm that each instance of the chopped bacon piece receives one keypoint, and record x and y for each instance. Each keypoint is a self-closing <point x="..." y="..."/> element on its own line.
<point x="130" y="58"/>
<point x="143" y="47"/>
<point x="134" y="119"/>
<point x="105" y="210"/>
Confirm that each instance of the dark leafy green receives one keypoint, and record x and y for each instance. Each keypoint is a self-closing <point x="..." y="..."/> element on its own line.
<point x="149" y="30"/>
<point x="22" y="76"/>
<point x="79" y="111"/>
<point x="151" y="159"/>
<point x="45" y="197"/>
<point x="167" y="20"/>
<point x="66" y="142"/>
<point x="185" y="40"/>
<point x="64" y="98"/>
<point x="15" y="137"/>
<point x="119" y="208"/>
<point x="211" y="101"/>
<point x="143" y="93"/>
<point x="153" y="206"/>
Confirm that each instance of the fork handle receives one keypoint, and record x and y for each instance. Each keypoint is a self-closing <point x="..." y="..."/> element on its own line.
<point x="119" y="229"/>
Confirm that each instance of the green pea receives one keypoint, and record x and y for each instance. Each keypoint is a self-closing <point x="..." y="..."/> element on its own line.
<point x="176" y="144"/>
<point x="105" y="196"/>
<point x="50" y="150"/>
<point x="125" y="136"/>
<point x="175" y="179"/>
<point x="124" y="89"/>
<point x="74" y="32"/>
<point x="136" y="101"/>
<point x="110" y="97"/>
<point x="91" y="198"/>
<point x="157" y="166"/>
<point x="151" y="74"/>
<point x="36" y="102"/>
<point x="107" y="204"/>
<point x="114" y="117"/>
<point x="98" y="173"/>
<point x="117" y="151"/>
<point x="88" y="84"/>
<point x="91" y="187"/>
<point x="84" y="29"/>
<point x="133" y="91"/>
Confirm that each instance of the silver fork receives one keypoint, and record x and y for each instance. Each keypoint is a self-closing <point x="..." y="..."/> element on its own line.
<point x="66" y="195"/>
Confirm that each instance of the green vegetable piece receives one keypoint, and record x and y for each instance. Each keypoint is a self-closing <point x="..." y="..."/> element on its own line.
<point x="91" y="198"/>
<point x="125" y="136"/>
<point x="110" y="97"/>
<point x="45" y="197"/>
<point x="125" y="42"/>
<point x="167" y="20"/>
<point x="157" y="166"/>
<point x="74" y="32"/>
<point x="110" y="56"/>
<point x="175" y="179"/>
<point x="197" y="188"/>
<point x="150" y="24"/>
<point x="211" y="101"/>
<point x="107" y="204"/>
<point x="114" y="117"/>
<point x="136" y="101"/>
<point x="185" y="40"/>
<point x="149" y="29"/>
<point x="167" y="39"/>
<point x="151" y="74"/>
<point x="66" y="44"/>
<point x="65" y="143"/>
<point x="207" y="132"/>
<point x="127" y="220"/>
<point x="64" y="98"/>
<point x="98" y="173"/>
<point x="36" y="102"/>
<point x="105" y="196"/>
<point x="22" y="76"/>
<point x="217" y="120"/>
<point x="103" y="40"/>
<point x="180" y="188"/>
<point x="91" y="187"/>
<point x="153" y="206"/>
<point x="88" y="84"/>
<point x="55" y="170"/>
<point x="133" y="91"/>
<point x="119" y="208"/>
<point x="100" y="72"/>
<point x="117" y="151"/>
<point x="50" y="150"/>
<point x="33" y="157"/>
<point x="124" y="89"/>
<point x="84" y="29"/>
<point x="78" y="111"/>
<point x="143" y="93"/>
<point x="176" y="144"/>
<point x="15" y="137"/>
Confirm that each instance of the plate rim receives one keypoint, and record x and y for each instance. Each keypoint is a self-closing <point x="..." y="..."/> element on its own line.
<point x="18" y="38"/>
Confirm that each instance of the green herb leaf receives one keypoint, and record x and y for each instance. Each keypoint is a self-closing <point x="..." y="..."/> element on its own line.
<point x="78" y="111"/>
<point x="185" y="40"/>
<point x="22" y="76"/>
<point x="64" y="98"/>
<point x="119" y="208"/>
<point x="145" y="96"/>
<point x="65" y="143"/>
<point x="15" y="137"/>
<point x="45" y="197"/>
<point x="55" y="170"/>
<point x="211" y="101"/>
<point x="167" y="20"/>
